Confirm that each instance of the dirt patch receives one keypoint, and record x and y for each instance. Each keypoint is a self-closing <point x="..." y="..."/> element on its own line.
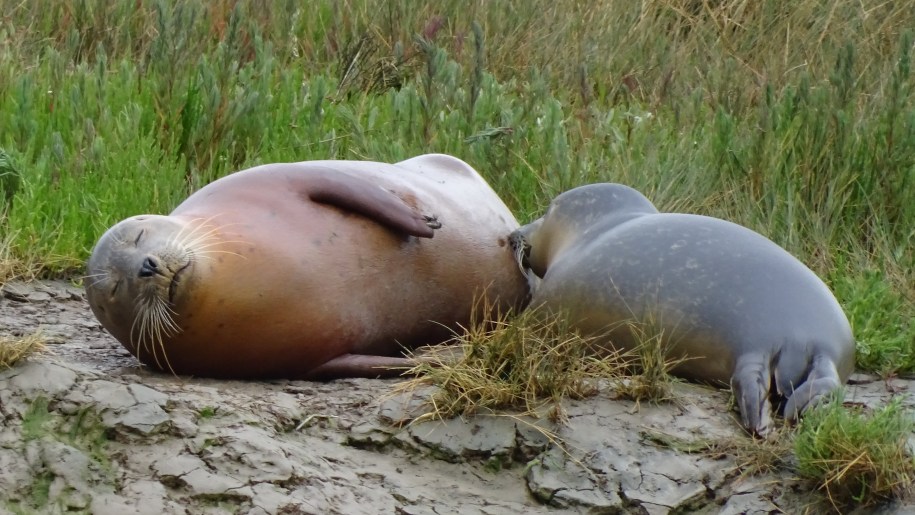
<point x="85" y="428"/>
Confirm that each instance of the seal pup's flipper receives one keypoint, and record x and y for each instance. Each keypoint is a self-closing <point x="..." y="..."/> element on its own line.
<point x="361" y="365"/>
<point x="368" y="199"/>
<point x="750" y="383"/>
<point x="822" y="380"/>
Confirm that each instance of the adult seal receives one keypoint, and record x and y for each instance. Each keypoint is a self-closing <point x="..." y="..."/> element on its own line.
<point x="741" y="309"/>
<point x="317" y="269"/>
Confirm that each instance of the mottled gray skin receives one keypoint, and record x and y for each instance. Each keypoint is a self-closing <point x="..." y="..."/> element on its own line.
<point x="744" y="310"/>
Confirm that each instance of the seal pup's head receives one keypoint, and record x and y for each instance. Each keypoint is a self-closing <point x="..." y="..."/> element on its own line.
<point x="572" y="216"/>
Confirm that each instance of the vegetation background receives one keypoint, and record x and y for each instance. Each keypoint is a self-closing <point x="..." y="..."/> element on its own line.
<point x="796" y="119"/>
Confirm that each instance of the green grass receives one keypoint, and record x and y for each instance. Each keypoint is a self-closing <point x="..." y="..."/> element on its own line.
<point x="857" y="457"/>
<point x="207" y="412"/>
<point x="795" y="119"/>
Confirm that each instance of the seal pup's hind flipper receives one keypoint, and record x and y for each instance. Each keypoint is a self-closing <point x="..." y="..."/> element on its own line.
<point x="821" y="381"/>
<point x="361" y="196"/>
<point x="750" y="383"/>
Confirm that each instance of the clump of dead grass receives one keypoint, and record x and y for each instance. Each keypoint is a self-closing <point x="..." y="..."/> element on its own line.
<point x="15" y="348"/>
<point x="531" y="362"/>
<point x="752" y="456"/>
<point x="856" y="456"/>
<point x="11" y="267"/>
<point x="756" y="456"/>
<point x="649" y="376"/>
<point x="519" y="363"/>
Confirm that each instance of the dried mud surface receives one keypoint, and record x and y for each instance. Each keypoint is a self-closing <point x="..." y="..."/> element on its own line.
<point x="86" y="429"/>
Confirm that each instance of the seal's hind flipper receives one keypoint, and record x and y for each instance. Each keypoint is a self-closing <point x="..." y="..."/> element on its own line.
<point x="822" y="380"/>
<point x="750" y="383"/>
<point x="368" y="199"/>
<point x="361" y="365"/>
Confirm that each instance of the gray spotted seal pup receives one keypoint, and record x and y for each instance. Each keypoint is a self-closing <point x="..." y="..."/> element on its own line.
<point x="742" y="309"/>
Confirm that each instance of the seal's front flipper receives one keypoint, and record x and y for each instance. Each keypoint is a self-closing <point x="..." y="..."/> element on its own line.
<point x="750" y="383"/>
<point x="822" y="380"/>
<point x="361" y="365"/>
<point x="369" y="199"/>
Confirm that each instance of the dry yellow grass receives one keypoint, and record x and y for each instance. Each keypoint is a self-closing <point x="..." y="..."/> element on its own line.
<point x="530" y="363"/>
<point x="525" y="363"/>
<point x="650" y="378"/>
<point x="15" y="348"/>
<point x="12" y="266"/>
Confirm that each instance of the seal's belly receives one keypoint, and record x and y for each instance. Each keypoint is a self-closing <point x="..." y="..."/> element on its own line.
<point x="287" y="297"/>
<point x="291" y="284"/>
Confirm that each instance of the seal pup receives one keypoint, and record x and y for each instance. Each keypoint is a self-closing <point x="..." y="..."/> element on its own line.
<point x="315" y="270"/>
<point x="739" y="308"/>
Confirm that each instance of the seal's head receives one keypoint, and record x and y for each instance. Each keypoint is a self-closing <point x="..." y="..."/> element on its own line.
<point x="574" y="215"/>
<point x="135" y="278"/>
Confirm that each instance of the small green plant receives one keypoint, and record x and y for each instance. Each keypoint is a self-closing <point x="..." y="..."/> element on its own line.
<point x="16" y="348"/>
<point x="36" y="419"/>
<point x="207" y="412"/>
<point x="82" y="430"/>
<point x="857" y="456"/>
<point x="41" y="489"/>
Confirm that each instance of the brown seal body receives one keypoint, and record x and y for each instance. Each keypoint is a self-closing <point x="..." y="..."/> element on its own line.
<point x="741" y="309"/>
<point x="299" y="270"/>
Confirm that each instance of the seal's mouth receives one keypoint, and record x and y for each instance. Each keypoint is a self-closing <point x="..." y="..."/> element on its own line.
<point x="176" y="278"/>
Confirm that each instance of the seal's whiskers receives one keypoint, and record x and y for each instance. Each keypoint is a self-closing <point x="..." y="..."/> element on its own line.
<point x="99" y="278"/>
<point x="153" y="323"/>
<point x="202" y="237"/>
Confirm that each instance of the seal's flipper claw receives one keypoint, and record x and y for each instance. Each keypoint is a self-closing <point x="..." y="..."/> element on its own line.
<point x="822" y="381"/>
<point x="808" y="395"/>
<point x="750" y="383"/>
<point x="362" y="196"/>
<point x="432" y="222"/>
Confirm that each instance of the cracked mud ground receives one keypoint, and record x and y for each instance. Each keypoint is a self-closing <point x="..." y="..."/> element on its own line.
<point x="86" y="429"/>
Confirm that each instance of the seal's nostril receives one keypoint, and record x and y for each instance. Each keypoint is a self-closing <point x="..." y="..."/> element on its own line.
<point x="149" y="267"/>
